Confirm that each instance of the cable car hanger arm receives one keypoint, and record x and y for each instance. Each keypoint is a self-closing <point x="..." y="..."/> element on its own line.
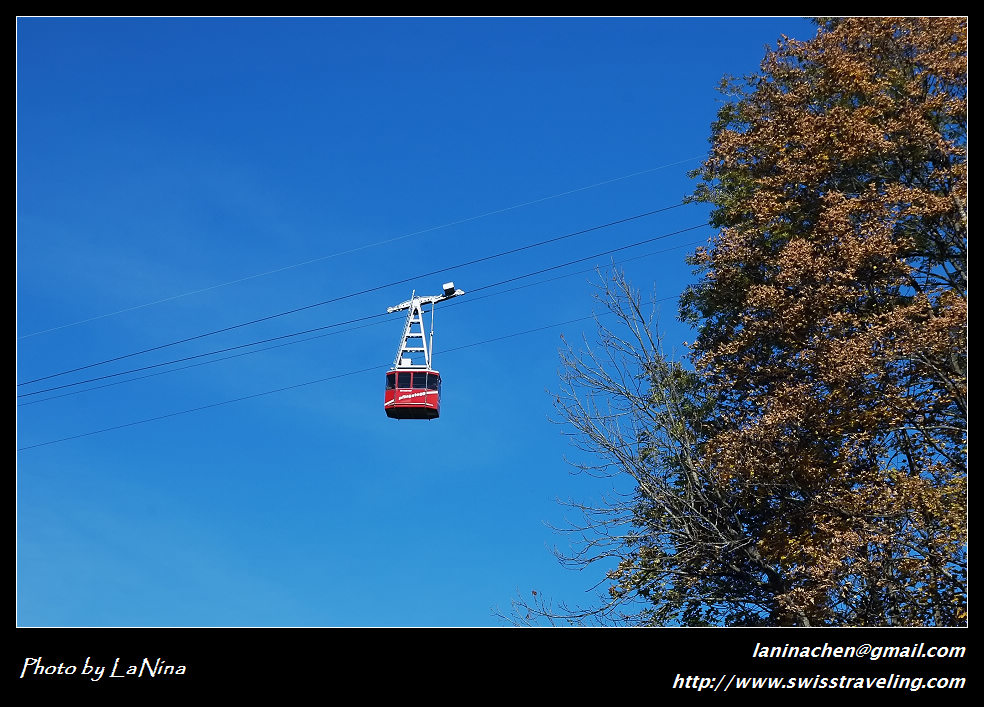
<point x="449" y="292"/>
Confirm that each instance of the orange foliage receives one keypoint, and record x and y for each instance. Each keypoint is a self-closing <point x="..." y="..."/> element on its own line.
<point x="833" y="318"/>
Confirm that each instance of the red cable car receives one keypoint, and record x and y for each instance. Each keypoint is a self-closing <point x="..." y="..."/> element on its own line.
<point x="413" y="395"/>
<point x="413" y="388"/>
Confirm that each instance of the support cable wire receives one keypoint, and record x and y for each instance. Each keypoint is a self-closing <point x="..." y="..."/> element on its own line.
<point x="201" y="355"/>
<point x="364" y="247"/>
<point x="456" y="303"/>
<point x="355" y="294"/>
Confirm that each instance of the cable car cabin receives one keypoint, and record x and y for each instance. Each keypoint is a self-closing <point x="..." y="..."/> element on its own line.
<point x="413" y="395"/>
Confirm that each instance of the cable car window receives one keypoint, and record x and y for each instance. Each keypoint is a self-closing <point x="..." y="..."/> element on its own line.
<point x="419" y="380"/>
<point x="433" y="382"/>
<point x="390" y="381"/>
<point x="404" y="379"/>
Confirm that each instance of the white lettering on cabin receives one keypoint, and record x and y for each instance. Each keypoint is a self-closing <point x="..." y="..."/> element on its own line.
<point x="412" y="395"/>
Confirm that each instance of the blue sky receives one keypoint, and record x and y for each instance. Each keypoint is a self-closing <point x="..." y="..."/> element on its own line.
<point x="179" y="176"/>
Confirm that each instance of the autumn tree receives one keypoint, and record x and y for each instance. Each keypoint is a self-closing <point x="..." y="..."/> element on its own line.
<point x="832" y="317"/>
<point x="829" y="418"/>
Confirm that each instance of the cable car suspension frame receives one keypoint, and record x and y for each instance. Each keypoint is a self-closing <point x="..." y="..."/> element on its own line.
<point x="413" y="389"/>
